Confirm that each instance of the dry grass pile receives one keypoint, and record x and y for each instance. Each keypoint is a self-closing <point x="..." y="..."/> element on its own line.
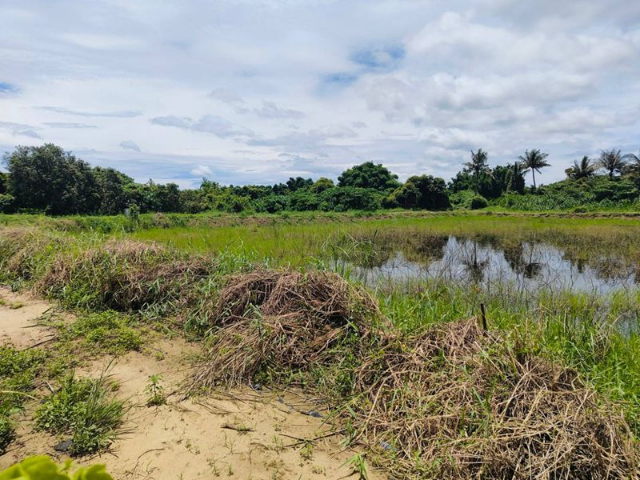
<point x="123" y="275"/>
<point x="455" y="402"/>
<point x="272" y="322"/>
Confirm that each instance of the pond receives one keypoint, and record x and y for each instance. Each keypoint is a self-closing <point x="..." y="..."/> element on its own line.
<point x="491" y="260"/>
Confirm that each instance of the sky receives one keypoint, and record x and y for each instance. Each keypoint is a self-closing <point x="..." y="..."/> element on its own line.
<point x="256" y="91"/>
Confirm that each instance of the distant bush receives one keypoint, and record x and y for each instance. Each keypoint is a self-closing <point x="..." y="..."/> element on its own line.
<point x="350" y="198"/>
<point x="478" y="203"/>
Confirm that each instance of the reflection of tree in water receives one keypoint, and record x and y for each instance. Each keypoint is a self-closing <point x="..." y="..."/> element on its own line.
<point x="577" y="260"/>
<point x="611" y="268"/>
<point x="473" y="265"/>
<point x="424" y="248"/>
<point x="521" y="260"/>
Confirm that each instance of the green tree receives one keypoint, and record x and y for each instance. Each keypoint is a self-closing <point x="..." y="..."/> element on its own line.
<point x="4" y="182"/>
<point x="582" y="169"/>
<point x="298" y="183"/>
<point x="425" y="192"/>
<point x="612" y="162"/>
<point x="478" y="166"/>
<point x="322" y="184"/>
<point x="515" y="178"/>
<point x="49" y="179"/>
<point x="369" y="175"/>
<point x="110" y="185"/>
<point x="535" y="161"/>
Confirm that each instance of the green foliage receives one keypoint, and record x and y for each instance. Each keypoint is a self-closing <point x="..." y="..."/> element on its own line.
<point x="49" y="179"/>
<point x="478" y="202"/>
<point x="350" y="198"/>
<point x="534" y="160"/>
<point x="7" y="203"/>
<point x="370" y="176"/>
<point x="85" y="409"/>
<point x="43" y="468"/>
<point x="107" y="332"/>
<point x="425" y="192"/>
<point x="155" y="391"/>
<point x="18" y="370"/>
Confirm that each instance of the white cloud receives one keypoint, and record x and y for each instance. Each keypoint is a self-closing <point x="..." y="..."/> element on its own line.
<point x="319" y="85"/>
<point x="202" y="171"/>
<point x="130" y="145"/>
<point x="271" y="110"/>
<point x="213" y="124"/>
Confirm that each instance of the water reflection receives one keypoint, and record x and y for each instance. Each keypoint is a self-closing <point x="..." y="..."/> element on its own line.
<point x="487" y="259"/>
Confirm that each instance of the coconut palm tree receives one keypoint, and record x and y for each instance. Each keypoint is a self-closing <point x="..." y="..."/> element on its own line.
<point x="534" y="160"/>
<point x="612" y="162"/>
<point x="582" y="169"/>
<point x="477" y="166"/>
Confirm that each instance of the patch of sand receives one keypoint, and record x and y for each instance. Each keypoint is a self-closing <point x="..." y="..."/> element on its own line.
<point x="241" y="434"/>
<point x="19" y="314"/>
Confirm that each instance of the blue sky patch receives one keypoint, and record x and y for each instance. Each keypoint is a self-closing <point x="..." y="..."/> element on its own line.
<point x="8" y="88"/>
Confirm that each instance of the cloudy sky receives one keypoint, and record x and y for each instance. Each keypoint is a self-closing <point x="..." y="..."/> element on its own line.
<point x="256" y="91"/>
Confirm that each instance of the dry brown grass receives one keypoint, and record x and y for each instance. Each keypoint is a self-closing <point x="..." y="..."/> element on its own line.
<point x="284" y="320"/>
<point x="453" y="402"/>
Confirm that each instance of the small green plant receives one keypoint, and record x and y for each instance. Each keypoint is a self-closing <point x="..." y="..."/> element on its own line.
<point x="18" y="370"/>
<point x="359" y="466"/>
<point x="43" y="468"/>
<point x="85" y="409"/>
<point x="155" y="391"/>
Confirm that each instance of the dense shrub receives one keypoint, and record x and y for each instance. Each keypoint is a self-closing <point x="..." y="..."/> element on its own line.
<point x="478" y="202"/>
<point x="350" y="198"/>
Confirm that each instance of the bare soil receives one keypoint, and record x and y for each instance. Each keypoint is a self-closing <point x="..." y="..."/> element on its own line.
<point x="241" y="433"/>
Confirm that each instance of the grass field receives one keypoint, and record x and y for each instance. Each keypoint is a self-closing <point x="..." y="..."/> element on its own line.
<point x="173" y="275"/>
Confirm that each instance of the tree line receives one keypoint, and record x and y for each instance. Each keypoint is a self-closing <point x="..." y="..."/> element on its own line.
<point x="48" y="179"/>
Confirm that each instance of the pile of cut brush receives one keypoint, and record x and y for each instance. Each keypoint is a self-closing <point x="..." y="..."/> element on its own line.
<point x="452" y="402"/>
<point x="270" y="324"/>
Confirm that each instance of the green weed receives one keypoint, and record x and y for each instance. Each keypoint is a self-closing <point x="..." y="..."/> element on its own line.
<point x="84" y="409"/>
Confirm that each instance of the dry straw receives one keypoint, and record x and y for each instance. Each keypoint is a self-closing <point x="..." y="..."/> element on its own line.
<point x="453" y="402"/>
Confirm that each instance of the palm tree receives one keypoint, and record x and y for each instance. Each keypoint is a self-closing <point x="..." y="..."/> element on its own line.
<point x="612" y="162"/>
<point x="477" y="166"/>
<point x="582" y="169"/>
<point x="534" y="160"/>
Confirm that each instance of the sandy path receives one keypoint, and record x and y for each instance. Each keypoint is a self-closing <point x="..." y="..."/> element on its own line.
<point x="236" y="434"/>
<point x="18" y="319"/>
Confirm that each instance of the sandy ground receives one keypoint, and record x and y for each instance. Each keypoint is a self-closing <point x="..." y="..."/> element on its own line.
<point x="243" y="434"/>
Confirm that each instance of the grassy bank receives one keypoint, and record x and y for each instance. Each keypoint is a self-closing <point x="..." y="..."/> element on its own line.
<point x="183" y="283"/>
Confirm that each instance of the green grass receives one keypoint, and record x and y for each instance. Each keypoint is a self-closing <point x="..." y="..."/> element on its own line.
<point x="85" y="410"/>
<point x="108" y="332"/>
<point x="18" y="372"/>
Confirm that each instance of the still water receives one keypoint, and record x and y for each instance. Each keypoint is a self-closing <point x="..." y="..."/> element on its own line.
<point x="489" y="261"/>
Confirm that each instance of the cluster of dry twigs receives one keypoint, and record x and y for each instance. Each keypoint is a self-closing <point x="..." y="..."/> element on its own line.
<point x="453" y="402"/>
